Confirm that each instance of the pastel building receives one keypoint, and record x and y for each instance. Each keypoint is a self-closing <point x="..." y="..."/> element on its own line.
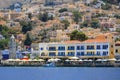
<point x="91" y="48"/>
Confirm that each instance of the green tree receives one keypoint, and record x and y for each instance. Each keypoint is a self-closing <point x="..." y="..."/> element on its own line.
<point x="3" y="44"/>
<point x="85" y="24"/>
<point x="95" y="24"/>
<point x="43" y="17"/>
<point x="26" y="26"/>
<point x="63" y="10"/>
<point x="66" y="23"/>
<point x="28" y="40"/>
<point x="107" y="6"/>
<point x="4" y="30"/>
<point x="118" y="30"/>
<point x="77" y="16"/>
<point x="76" y="35"/>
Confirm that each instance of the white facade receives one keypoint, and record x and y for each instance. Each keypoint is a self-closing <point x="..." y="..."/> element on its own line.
<point x="101" y="49"/>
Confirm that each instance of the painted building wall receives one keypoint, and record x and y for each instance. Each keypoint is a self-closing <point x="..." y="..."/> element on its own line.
<point x="83" y="50"/>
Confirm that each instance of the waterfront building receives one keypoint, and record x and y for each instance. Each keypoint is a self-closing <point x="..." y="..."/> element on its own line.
<point x="100" y="47"/>
<point x="117" y="50"/>
<point x="12" y="48"/>
<point x="5" y="54"/>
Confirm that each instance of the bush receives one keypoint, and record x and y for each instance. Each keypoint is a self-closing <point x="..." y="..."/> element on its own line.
<point x="76" y="35"/>
<point x="63" y="10"/>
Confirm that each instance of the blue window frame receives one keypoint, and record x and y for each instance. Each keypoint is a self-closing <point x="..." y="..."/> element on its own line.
<point x="98" y="47"/>
<point x="90" y="47"/>
<point x="41" y="48"/>
<point x="52" y="48"/>
<point x="98" y="53"/>
<point x="61" y="53"/>
<point x="80" y="53"/>
<point x="61" y="48"/>
<point x="80" y="47"/>
<point x="105" y="53"/>
<point x="71" y="48"/>
<point x="90" y="53"/>
<point x="71" y="53"/>
<point x="52" y="54"/>
<point x="105" y="47"/>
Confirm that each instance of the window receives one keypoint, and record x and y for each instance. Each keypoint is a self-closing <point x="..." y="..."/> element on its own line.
<point x="52" y="54"/>
<point x="105" y="53"/>
<point x="42" y="54"/>
<point x="98" y="53"/>
<point x="105" y="46"/>
<point x="80" y="53"/>
<point x="80" y="47"/>
<point x="41" y="48"/>
<point x="111" y="46"/>
<point x="61" y="53"/>
<point x="90" y="53"/>
<point x="71" y="53"/>
<point x="61" y="48"/>
<point x="116" y="51"/>
<point x="52" y="48"/>
<point x="71" y="48"/>
<point x="90" y="47"/>
<point x="98" y="47"/>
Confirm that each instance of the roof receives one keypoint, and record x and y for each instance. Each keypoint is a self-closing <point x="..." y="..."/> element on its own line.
<point x="96" y="40"/>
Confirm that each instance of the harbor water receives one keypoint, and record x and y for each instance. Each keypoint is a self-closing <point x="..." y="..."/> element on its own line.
<point x="59" y="73"/>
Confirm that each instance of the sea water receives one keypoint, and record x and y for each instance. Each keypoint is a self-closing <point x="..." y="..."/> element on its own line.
<point x="59" y="73"/>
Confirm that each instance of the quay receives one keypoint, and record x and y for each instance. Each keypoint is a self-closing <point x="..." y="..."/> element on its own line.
<point x="60" y="63"/>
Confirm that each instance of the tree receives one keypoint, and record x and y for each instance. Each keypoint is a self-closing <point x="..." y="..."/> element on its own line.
<point x="3" y="44"/>
<point x="43" y="17"/>
<point x="26" y="26"/>
<point x="118" y="30"/>
<point x="95" y="24"/>
<point x="66" y="23"/>
<point x="63" y="10"/>
<point x="77" y="16"/>
<point x="85" y="24"/>
<point x="76" y="35"/>
<point x="28" y="40"/>
<point x="107" y="6"/>
<point x="4" y="30"/>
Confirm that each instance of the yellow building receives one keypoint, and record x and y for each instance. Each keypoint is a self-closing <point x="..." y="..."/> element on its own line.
<point x="117" y="49"/>
<point x="99" y="47"/>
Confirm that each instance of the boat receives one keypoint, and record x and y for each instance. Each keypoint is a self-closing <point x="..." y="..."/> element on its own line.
<point x="51" y="64"/>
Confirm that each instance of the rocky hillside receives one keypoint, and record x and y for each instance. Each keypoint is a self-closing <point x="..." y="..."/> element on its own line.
<point x="7" y="3"/>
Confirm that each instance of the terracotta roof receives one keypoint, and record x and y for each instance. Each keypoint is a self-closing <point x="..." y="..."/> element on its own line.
<point x="96" y="40"/>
